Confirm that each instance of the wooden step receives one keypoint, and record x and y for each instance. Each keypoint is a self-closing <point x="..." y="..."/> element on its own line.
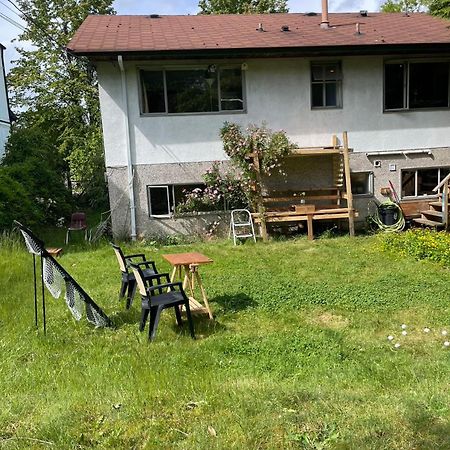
<point x="438" y="204"/>
<point x="429" y="223"/>
<point x="431" y="213"/>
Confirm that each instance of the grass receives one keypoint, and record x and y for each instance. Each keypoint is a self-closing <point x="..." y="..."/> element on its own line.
<point x="297" y="356"/>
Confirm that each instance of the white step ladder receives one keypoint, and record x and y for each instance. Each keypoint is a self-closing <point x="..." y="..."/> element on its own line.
<point x="241" y="225"/>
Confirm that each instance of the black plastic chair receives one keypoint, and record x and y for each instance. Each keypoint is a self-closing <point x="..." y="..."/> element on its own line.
<point x="128" y="285"/>
<point x="157" y="296"/>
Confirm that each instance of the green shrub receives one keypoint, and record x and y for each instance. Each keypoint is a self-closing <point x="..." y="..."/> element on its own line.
<point x="420" y="244"/>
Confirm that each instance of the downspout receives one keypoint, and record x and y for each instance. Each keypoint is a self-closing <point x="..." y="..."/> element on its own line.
<point x="128" y="147"/>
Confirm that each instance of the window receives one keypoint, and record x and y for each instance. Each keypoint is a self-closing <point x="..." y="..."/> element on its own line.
<point x="326" y="81"/>
<point x="421" y="182"/>
<point x="362" y="183"/>
<point x="162" y="200"/>
<point x="199" y="90"/>
<point x="416" y="85"/>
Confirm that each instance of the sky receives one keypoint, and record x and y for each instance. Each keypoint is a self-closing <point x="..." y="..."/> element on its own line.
<point x="9" y="32"/>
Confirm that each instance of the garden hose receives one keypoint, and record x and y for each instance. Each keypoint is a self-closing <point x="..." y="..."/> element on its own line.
<point x="388" y="205"/>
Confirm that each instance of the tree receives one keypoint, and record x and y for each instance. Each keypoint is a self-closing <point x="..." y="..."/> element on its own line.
<point x="58" y="91"/>
<point x="32" y="185"/>
<point x="410" y="6"/>
<point x="440" y="8"/>
<point x="242" y="6"/>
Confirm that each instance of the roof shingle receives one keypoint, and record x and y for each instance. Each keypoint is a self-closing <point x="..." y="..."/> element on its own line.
<point x="106" y="34"/>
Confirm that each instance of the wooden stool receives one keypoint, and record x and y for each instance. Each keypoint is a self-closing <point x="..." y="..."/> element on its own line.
<point x="53" y="251"/>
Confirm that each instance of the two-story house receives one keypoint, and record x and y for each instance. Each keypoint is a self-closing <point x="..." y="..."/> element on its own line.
<point x="168" y="83"/>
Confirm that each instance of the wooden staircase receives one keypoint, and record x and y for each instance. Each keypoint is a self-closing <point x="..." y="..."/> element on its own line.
<point x="437" y="216"/>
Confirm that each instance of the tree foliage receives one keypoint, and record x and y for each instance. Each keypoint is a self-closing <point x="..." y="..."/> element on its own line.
<point x="410" y="6"/>
<point x="439" y="8"/>
<point x="32" y="183"/>
<point x="242" y="6"/>
<point x="55" y="90"/>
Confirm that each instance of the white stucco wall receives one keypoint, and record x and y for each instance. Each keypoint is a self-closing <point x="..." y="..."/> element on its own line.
<point x="278" y="92"/>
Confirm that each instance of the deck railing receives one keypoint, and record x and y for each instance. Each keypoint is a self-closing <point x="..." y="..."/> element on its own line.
<point x="444" y="184"/>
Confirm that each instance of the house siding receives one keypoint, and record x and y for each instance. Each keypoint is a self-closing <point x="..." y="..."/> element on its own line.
<point x="278" y="93"/>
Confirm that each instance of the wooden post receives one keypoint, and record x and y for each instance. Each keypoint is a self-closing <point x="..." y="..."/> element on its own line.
<point x="310" y="227"/>
<point x="445" y="205"/>
<point x="334" y="141"/>
<point x="348" y="186"/>
<point x="260" y="205"/>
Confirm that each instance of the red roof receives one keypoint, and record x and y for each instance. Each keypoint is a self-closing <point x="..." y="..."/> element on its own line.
<point x="113" y="34"/>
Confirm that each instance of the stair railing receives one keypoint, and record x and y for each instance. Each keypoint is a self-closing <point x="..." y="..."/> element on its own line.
<point x="445" y="184"/>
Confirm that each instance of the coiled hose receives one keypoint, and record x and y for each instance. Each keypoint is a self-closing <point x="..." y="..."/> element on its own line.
<point x="376" y="217"/>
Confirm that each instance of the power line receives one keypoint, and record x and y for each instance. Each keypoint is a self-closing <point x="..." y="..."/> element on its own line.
<point x="12" y="10"/>
<point x="12" y="21"/>
<point x="38" y="26"/>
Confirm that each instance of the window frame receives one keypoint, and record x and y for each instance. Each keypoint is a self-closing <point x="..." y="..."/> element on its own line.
<point x="171" y="197"/>
<point x="339" y="85"/>
<point x="169" y="193"/>
<point x="165" y="69"/>
<point x="406" y="85"/>
<point x="370" y="183"/>
<point x="416" y="170"/>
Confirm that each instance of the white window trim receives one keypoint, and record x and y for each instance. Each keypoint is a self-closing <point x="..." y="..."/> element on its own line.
<point x="415" y="170"/>
<point x="159" y="216"/>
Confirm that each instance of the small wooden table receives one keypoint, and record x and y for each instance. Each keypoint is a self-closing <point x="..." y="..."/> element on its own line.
<point x="190" y="263"/>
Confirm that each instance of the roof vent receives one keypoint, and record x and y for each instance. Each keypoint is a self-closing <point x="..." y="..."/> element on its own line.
<point x="311" y="14"/>
<point x="260" y="27"/>
<point x="285" y="28"/>
<point x="155" y="16"/>
<point x="363" y="13"/>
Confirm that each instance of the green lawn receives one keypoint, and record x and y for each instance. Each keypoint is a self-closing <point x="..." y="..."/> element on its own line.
<point x="298" y="356"/>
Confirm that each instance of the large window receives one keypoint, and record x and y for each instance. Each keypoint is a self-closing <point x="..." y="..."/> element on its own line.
<point x="199" y="90"/>
<point x="421" y="182"/>
<point x="326" y="85"/>
<point x="163" y="199"/>
<point x="416" y="85"/>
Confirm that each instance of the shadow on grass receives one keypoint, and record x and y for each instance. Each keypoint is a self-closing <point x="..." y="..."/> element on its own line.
<point x="430" y="431"/>
<point x="126" y="316"/>
<point x="234" y="302"/>
<point x="203" y="326"/>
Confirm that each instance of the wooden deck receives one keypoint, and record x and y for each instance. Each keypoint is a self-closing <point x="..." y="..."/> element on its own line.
<point x="308" y="217"/>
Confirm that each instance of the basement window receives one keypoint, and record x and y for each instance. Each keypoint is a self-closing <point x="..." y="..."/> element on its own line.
<point x="362" y="183"/>
<point x="416" y="85"/>
<point x="163" y="199"/>
<point x="199" y="90"/>
<point x="421" y="182"/>
<point x="326" y="85"/>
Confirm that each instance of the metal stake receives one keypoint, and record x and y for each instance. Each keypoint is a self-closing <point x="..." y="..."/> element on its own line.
<point x="43" y="295"/>
<point x="35" y="292"/>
